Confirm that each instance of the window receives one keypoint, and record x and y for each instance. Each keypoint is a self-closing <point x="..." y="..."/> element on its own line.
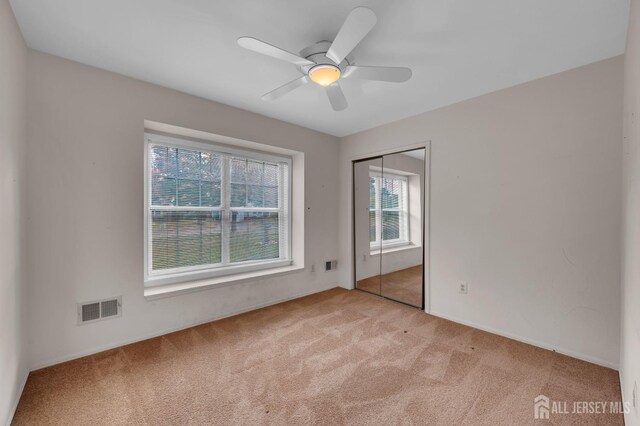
<point x="213" y="211"/>
<point x="388" y="210"/>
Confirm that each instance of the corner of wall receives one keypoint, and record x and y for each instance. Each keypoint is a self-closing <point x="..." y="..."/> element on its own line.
<point x="13" y="128"/>
<point x="630" y="288"/>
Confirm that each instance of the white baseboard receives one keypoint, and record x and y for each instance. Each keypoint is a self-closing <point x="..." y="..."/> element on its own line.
<point x="12" y="412"/>
<point x="96" y="350"/>
<point x="522" y="339"/>
<point x="628" y="420"/>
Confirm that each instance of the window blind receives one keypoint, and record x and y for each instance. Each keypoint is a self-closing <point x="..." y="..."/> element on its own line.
<point x="209" y="209"/>
<point x="388" y="209"/>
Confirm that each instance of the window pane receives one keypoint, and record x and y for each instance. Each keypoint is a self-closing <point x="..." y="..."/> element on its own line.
<point x="185" y="177"/>
<point x="182" y="239"/>
<point x="270" y="185"/>
<point x="372" y="193"/>
<point x="254" y="184"/>
<point x="211" y="166"/>
<point x="163" y="191"/>
<point x="270" y="196"/>
<point x="238" y="183"/>
<point x="238" y="171"/>
<point x="270" y="175"/>
<point x="164" y="172"/>
<point x="254" y="196"/>
<point x="210" y="194"/>
<point x="254" y="236"/>
<point x="188" y="192"/>
<point x="255" y="171"/>
<point x="210" y="186"/>
<point x="163" y="161"/>
<point x="188" y="164"/>
<point x="372" y="226"/>
<point x="238" y="195"/>
<point x="390" y="193"/>
<point x="390" y="225"/>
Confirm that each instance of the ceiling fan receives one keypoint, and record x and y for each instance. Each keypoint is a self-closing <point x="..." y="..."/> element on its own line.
<point x="325" y="62"/>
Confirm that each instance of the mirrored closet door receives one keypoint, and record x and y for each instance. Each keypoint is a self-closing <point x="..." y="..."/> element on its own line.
<point x="388" y="224"/>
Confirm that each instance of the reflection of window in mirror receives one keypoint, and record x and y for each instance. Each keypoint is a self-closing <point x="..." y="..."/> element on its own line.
<point x="388" y="210"/>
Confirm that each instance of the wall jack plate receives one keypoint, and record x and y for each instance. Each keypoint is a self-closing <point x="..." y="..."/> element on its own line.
<point x="462" y="287"/>
<point x="330" y="265"/>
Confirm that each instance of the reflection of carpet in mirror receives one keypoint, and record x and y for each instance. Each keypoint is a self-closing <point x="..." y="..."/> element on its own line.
<point x="404" y="285"/>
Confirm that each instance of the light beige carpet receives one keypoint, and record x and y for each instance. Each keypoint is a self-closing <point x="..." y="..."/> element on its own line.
<point x="404" y="285"/>
<point x="337" y="357"/>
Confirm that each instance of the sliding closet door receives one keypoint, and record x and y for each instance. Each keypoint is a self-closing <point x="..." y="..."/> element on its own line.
<point x="367" y="260"/>
<point x="400" y="214"/>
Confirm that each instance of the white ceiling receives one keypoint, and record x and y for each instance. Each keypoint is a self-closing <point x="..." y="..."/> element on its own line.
<point x="457" y="49"/>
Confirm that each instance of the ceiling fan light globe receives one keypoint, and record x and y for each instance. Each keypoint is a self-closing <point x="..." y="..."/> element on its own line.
<point x="324" y="75"/>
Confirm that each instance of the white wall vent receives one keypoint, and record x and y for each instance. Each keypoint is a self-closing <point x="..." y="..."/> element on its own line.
<point x="99" y="310"/>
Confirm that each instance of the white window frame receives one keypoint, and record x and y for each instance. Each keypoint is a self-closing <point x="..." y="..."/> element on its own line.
<point x="225" y="268"/>
<point x="404" y="240"/>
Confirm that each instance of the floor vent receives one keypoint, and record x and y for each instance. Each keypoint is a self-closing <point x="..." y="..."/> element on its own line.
<point x="99" y="310"/>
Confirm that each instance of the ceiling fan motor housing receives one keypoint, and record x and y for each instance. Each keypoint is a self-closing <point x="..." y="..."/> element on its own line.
<point x="317" y="53"/>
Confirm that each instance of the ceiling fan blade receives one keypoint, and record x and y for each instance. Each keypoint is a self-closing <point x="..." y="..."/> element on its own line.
<point x="336" y="97"/>
<point x="392" y="74"/>
<point x="273" y="51"/>
<point x="283" y="90"/>
<point x="357" y="25"/>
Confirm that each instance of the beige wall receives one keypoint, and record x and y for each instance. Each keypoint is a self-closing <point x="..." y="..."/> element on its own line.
<point x="85" y="198"/>
<point x="630" y="336"/>
<point x="13" y="109"/>
<point x="525" y="207"/>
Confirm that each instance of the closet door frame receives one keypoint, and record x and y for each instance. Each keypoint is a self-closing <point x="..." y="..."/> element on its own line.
<point x="426" y="219"/>
<point x="353" y="225"/>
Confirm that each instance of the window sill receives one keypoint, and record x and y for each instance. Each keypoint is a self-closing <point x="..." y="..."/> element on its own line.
<point x="395" y="249"/>
<point x="159" y="292"/>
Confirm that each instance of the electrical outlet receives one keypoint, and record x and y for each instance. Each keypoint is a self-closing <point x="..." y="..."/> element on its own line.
<point x="463" y="288"/>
